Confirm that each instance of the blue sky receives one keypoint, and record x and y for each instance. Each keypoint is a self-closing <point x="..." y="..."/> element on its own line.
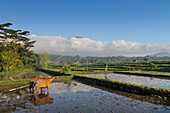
<point x="143" y="21"/>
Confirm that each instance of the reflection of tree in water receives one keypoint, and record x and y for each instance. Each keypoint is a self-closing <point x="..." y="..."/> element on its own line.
<point x="105" y="76"/>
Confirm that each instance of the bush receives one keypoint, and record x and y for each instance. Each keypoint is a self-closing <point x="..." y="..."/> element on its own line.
<point x="66" y="69"/>
<point x="152" y="65"/>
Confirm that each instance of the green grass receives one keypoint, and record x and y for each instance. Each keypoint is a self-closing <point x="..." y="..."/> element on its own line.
<point x="14" y="81"/>
<point x="16" y="70"/>
<point x="58" y="77"/>
<point x="52" y="69"/>
<point x="91" y="72"/>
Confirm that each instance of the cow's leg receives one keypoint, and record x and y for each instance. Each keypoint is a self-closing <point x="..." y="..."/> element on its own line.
<point x="30" y="86"/>
<point x="41" y="90"/>
<point x="36" y="90"/>
<point x="47" y="90"/>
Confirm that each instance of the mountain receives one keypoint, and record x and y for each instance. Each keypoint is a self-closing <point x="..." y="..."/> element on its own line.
<point x="75" y="37"/>
<point x="161" y="54"/>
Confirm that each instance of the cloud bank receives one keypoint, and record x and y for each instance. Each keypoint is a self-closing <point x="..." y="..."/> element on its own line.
<point x="87" y="47"/>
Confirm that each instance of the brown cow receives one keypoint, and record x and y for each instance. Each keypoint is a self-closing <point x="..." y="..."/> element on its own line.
<point x="43" y="83"/>
<point x="32" y="83"/>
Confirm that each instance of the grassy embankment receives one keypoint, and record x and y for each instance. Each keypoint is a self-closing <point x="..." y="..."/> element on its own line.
<point x="123" y="86"/>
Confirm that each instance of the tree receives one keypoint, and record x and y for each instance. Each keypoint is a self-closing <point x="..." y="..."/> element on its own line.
<point x="66" y="69"/>
<point x="14" y="48"/>
<point x="45" y="58"/>
<point x="9" y="60"/>
<point x="10" y="36"/>
<point x="152" y="65"/>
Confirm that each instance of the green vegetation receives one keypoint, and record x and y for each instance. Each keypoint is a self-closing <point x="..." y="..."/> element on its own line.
<point x="14" y="81"/>
<point x="15" y="49"/>
<point x="15" y="75"/>
<point x="154" y="68"/>
<point x="63" y="60"/>
<point x="58" y="77"/>
<point x="45" y="59"/>
<point x="66" y="69"/>
<point x="160" y="66"/>
<point x="140" y="66"/>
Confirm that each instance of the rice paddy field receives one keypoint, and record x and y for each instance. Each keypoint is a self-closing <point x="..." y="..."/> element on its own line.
<point x="74" y="97"/>
<point x="141" y="80"/>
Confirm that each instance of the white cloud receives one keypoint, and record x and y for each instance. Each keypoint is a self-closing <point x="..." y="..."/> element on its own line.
<point x="87" y="47"/>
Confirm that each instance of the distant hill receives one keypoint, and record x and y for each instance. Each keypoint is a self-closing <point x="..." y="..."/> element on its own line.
<point x="161" y="54"/>
<point x="74" y="37"/>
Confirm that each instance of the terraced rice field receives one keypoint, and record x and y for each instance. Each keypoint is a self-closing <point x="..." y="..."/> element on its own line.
<point x="146" y="81"/>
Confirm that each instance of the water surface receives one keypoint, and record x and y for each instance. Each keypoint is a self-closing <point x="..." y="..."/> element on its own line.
<point x="146" y="81"/>
<point x="74" y="97"/>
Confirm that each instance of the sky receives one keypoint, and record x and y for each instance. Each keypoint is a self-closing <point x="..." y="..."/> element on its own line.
<point x="107" y="27"/>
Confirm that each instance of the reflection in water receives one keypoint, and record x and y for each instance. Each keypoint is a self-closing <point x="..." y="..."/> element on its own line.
<point x="41" y="99"/>
<point x="147" y="81"/>
<point x="106" y="76"/>
<point x="58" y="88"/>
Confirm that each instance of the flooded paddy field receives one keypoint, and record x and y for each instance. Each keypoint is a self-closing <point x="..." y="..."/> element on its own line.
<point x="146" y="81"/>
<point x="74" y="97"/>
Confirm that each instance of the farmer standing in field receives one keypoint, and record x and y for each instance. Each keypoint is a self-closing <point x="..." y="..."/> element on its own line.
<point x="129" y="68"/>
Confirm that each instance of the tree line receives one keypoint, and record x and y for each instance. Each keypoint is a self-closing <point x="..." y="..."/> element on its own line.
<point x="64" y="60"/>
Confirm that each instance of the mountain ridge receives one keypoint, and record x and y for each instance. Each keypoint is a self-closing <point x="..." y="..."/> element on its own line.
<point x="161" y="54"/>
